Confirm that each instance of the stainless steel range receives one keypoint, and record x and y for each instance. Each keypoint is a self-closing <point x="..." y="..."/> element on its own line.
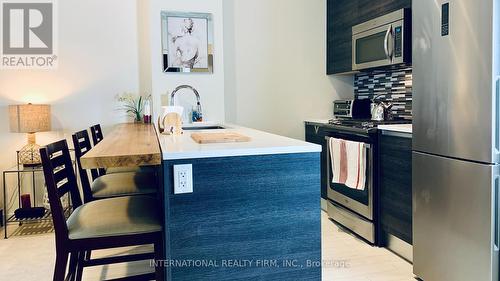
<point x="357" y="210"/>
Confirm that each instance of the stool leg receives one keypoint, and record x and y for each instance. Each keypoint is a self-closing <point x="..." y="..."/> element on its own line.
<point x="159" y="249"/>
<point x="73" y="264"/>
<point x="60" y="268"/>
<point x="88" y="255"/>
<point x="79" y="268"/>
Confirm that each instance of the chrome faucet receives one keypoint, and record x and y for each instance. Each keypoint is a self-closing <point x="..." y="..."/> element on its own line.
<point x="172" y="96"/>
<point x="198" y="116"/>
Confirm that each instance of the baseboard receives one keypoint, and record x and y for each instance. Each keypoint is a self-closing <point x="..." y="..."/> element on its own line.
<point x="324" y="205"/>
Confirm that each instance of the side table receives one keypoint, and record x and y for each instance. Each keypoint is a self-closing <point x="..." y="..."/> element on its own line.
<point x="19" y="170"/>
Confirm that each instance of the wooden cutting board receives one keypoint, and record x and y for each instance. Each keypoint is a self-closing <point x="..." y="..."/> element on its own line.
<point x="203" y="138"/>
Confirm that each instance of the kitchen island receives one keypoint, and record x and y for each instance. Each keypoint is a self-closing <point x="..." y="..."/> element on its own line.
<point x="253" y="214"/>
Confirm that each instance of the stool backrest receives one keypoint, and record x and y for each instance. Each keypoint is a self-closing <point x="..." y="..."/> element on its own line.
<point x="97" y="137"/>
<point x="60" y="179"/>
<point x="96" y="132"/>
<point x="81" y="142"/>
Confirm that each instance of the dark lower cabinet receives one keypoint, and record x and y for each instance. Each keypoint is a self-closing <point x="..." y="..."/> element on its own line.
<point x="342" y="15"/>
<point x="395" y="184"/>
<point x="316" y="134"/>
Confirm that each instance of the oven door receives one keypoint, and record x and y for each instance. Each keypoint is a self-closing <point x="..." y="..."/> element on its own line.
<point x="374" y="47"/>
<point x="359" y="201"/>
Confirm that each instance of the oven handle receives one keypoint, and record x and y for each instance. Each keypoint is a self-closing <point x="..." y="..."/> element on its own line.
<point x="367" y="145"/>
<point x="350" y="131"/>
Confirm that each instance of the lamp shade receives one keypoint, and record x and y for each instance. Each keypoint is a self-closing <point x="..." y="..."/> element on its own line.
<point x="29" y="118"/>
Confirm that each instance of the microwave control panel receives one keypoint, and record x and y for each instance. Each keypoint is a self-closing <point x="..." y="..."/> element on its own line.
<point x="398" y="41"/>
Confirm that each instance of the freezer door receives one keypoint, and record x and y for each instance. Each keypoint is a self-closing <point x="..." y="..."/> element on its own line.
<point x="454" y="79"/>
<point x="455" y="219"/>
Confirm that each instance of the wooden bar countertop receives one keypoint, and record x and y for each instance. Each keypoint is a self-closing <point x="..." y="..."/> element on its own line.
<point x="128" y="145"/>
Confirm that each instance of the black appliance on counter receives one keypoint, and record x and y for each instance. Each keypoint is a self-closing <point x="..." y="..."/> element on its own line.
<point x="357" y="108"/>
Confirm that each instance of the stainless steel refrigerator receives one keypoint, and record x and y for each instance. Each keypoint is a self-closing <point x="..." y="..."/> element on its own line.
<point x="456" y="145"/>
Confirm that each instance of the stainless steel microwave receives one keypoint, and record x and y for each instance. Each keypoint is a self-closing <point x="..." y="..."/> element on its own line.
<point x="382" y="41"/>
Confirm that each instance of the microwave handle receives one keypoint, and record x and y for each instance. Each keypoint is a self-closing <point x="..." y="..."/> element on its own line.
<point x="386" y="42"/>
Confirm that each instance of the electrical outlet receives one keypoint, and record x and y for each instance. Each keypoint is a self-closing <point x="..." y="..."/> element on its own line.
<point x="183" y="179"/>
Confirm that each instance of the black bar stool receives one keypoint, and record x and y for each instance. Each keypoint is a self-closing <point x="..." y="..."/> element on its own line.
<point x="101" y="224"/>
<point x="110" y="185"/>
<point x="96" y="132"/>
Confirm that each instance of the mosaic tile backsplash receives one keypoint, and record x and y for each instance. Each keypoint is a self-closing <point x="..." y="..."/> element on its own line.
<point x="395" y="85"/>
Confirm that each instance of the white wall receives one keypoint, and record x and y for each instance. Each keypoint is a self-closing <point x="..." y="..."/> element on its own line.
<point x="98" y="58"/>
<point x="210" y="86"/>
<point x="275" y="53"/>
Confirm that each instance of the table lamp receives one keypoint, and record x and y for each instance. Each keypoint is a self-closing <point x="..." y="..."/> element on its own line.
<point x="29" y="118"/>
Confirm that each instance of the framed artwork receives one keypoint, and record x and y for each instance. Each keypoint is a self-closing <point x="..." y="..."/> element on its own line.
<point x="187" y="42"/>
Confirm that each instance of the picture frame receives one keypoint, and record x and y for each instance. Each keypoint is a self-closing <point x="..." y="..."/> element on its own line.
<point x="187" y="42"/>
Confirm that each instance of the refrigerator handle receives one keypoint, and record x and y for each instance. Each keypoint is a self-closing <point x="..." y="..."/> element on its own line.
<point x="497" y="116"/>
<point x="496" y="215"/>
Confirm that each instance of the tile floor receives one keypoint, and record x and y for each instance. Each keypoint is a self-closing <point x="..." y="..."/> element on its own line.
<point x="345" y="257"/>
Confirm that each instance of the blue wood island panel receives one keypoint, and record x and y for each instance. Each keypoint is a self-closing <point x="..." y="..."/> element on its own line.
<point x="249" y="218"/>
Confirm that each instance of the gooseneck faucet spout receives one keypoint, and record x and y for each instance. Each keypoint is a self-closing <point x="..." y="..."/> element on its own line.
<point x="172" y="96"/>
<point x="197" y="114"/>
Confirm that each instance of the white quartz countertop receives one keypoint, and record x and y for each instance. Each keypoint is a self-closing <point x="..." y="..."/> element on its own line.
<point x="261" y="143"/>
<point x="401" y="128"/>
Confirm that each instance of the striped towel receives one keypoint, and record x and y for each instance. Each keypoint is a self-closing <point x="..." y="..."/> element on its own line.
<point x="348" y="160"/>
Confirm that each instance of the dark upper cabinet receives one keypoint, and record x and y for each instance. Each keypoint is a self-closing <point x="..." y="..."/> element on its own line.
<point x="395" y="184"/>
<point x="342" y="15"/>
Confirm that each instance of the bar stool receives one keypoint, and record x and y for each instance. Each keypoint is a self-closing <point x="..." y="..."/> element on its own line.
<point x="97" y="137"/>
<point x="96" y="132"/>
<point x="110" y="185"/>
<point x="101" y="224"/>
